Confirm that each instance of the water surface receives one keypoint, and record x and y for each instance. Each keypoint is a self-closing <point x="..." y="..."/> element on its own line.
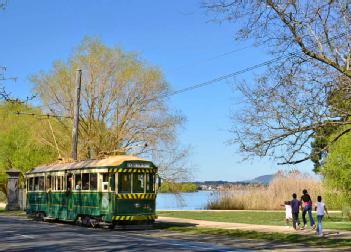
<point x="183" y="201"/>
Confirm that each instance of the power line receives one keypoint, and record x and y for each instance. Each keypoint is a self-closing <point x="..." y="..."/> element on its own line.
<point x="3" y="69"/>
<point x="215" y="80"/>
<point x="213" y="57"/>
<point x="223" y="77"/>
<point x="42" y="115"/>
<point x="227" y="76"/>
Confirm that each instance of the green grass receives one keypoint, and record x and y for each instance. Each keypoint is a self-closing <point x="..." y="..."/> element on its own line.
<point x="285" y="238"/>
<point x="335" y="221"/>
<point x="11" y="213"/>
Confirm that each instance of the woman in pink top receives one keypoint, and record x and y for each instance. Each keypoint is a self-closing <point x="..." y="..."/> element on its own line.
<point x="307" y="208"/>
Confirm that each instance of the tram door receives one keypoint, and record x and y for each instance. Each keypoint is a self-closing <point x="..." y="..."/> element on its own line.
<point x="105" y="199"/>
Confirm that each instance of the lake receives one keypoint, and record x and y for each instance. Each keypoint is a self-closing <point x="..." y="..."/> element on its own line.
<point x="183" y="201"/>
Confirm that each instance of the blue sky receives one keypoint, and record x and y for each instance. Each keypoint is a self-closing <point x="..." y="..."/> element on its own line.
<point x="176" y="36"/>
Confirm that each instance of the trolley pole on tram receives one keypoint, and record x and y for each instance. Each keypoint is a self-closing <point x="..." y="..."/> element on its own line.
<point x="76" y="115"/>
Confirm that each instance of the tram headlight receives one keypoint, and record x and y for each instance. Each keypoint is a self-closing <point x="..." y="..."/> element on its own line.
<point x="137" y="205"/>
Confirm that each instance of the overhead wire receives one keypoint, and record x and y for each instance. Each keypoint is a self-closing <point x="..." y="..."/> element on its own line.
<point x="215" y="80"/>
<point x="42" y="115"/>
<point x="213" y="57"/>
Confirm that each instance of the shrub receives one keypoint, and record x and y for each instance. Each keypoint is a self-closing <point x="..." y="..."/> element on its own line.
<point x="2" y="197"/>
<point x="175" y="187"/>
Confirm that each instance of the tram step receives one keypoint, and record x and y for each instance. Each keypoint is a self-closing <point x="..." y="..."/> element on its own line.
<point x="48" y="219"/>
<point x="101" y="223"/>
<point x="134" y="227"/>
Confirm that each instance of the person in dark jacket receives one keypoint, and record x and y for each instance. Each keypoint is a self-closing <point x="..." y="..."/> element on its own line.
<point x="307" y="208"/>
<point x="295" y="208"/>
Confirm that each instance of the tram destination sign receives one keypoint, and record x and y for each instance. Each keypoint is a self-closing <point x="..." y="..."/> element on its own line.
<point x="138" y="165"/>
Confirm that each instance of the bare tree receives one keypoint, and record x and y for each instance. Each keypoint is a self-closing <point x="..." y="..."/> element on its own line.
<point x="3" y="4"/>
<point x="173" y="163"/>
<point x="291" y="101"/>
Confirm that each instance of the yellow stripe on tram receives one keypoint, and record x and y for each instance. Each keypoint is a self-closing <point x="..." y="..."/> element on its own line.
<point x="136" y="196"/>
<point x="134" y="217"/>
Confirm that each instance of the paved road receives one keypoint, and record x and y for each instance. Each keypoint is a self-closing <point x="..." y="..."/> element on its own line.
<point x="20" y="234"/>
<point x="27" y="235"/>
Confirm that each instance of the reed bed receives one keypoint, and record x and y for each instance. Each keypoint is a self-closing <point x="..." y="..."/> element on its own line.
<point x="266" y="197"/>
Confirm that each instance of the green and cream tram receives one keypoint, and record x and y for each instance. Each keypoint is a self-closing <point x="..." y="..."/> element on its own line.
<point x="115" y="190"/>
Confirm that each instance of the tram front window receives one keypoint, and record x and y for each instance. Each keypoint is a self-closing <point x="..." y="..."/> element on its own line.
<point x="31" y="184"/>
<point x="138" y="183"/>
<point x="124" y="185"/>
<point x="150" y="181"/>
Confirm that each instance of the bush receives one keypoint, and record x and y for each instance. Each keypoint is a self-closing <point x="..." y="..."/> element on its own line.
<point x="174" y="187"/>
<point x="346" y="211"/>
<point x="2" y="197"/>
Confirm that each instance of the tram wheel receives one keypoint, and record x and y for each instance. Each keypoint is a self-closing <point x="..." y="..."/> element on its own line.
<point x="39" y="216"/>
<point x="86" y="221"/>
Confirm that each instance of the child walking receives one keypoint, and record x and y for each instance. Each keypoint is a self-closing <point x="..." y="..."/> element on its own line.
<point x="295" y="208"/>
<point x="288" y="213"/>
<point x="320" y="209"/>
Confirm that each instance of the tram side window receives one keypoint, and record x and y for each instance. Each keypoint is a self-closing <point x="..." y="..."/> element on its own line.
<point x="138" y="183"/>
<point x="64" y="183"/>
<point x="48" y="182"/>
<point x="59" y="180"/>
<point x="41" y="183"/>
<point x="78" y="181"/>
<point x="150" y="180"/>
<point x="69" y="181"/>
<point x="124" y="185"/>
<point x="53" y="182"/>
<point x="38" y="183"/>
<point x="93" y="181"/>
<point x="85" y="181"/>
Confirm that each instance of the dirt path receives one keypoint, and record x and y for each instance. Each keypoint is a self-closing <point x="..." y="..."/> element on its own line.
<point x="258" y="228"/>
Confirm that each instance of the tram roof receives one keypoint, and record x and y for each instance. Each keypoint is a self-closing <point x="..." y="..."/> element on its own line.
<point x="91" y="163"/>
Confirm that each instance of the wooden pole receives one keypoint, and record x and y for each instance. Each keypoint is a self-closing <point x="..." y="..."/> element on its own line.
<point x="76" y="115"/>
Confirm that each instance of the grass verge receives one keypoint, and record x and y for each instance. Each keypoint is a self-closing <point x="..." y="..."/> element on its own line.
<point x="3" y="212"/>
<point x="285" y="238"/>
<point x="335" y="220"/>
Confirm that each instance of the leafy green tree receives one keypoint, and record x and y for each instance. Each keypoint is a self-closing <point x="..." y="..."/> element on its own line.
<point x="122" y="100"/>
<point x="20" y="142"/>
<point x="337" y="100"/>
<point x="123" y="106"/>
<point x="337" y="167"/>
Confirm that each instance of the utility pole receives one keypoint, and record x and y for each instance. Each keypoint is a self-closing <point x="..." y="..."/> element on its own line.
<point x="76" y="115"/>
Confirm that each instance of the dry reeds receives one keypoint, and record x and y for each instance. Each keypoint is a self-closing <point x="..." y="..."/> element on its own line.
<point x="270" y="197"/>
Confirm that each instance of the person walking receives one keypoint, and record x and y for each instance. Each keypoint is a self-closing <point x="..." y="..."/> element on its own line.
<point x="295" y="208"/>
<point x="288" y="213"/>
<point x="307" y="208"/>
<point x="320" y="209"/>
